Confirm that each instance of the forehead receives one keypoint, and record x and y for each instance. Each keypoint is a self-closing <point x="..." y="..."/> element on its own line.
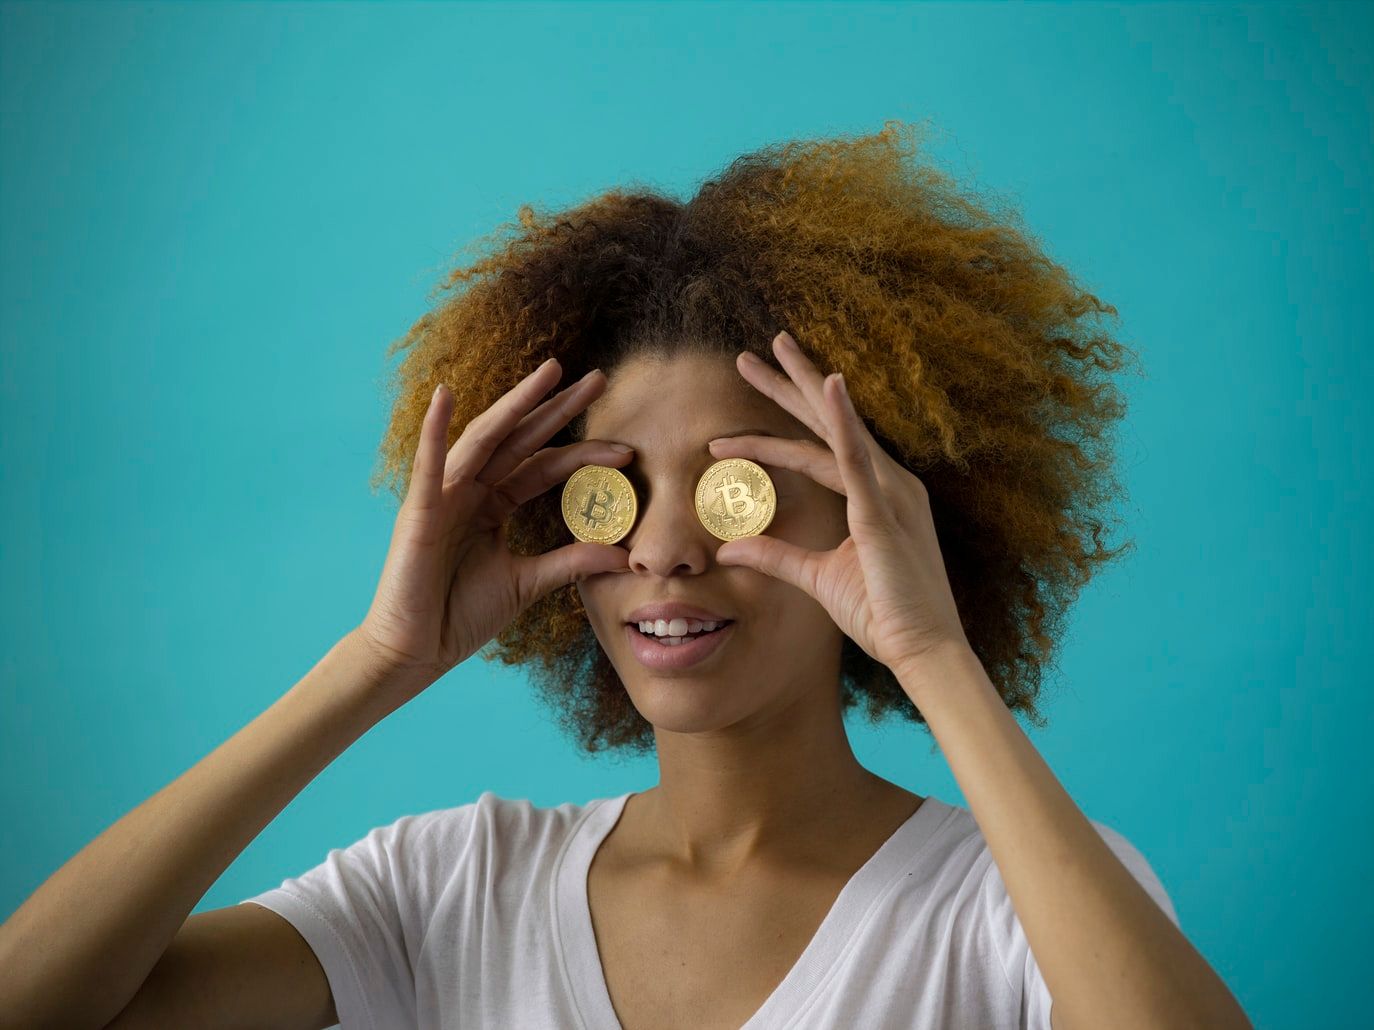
<point x="681" y="402"/>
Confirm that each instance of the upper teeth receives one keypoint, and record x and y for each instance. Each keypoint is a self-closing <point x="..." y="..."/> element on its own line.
<point x="677" y="627"/>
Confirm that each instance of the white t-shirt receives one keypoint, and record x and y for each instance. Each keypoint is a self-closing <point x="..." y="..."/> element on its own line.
<point x="477" y="916"/>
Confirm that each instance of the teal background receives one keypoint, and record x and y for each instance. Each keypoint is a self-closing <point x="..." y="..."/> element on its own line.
<point x="216" y="217"/>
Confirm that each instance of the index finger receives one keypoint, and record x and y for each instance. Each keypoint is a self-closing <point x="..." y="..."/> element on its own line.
<point x="480" y="437"/>
<point x="779" y="388"/>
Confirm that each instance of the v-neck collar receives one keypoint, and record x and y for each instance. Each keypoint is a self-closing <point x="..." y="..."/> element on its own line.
<point x="575" y="939"/>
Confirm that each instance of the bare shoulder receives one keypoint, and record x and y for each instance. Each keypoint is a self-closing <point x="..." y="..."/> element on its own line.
<point x="243" y="965"/>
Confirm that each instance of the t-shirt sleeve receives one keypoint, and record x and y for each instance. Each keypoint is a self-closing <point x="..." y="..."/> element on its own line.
<point x="364" y="911"/>
<point x="1018" y="962"/>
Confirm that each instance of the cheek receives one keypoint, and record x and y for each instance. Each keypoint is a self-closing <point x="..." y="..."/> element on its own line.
<point x="791" y="624"/>
<point x="794" y="642"/>
<point x="601" y="606"/>
<point x="592" y="601"/>
<point x="816" y="523"/>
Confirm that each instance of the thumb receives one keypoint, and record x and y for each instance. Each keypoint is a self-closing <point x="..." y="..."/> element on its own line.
<point x="541" y="573"/>
<point x="773" y="557"/>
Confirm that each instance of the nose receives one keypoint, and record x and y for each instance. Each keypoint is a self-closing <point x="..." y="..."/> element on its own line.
<point x="667" y="537"/>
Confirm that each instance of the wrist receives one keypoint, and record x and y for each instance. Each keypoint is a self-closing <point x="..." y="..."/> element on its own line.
<point x="947" y="662"/>
<point x="379" y="675"/>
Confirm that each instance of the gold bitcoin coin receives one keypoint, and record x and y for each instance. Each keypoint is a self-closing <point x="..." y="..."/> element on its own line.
<point x="599" y="504"/>
<point x="735" y="498"/>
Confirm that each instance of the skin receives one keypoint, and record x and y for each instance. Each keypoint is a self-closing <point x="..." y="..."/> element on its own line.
<point x="755" y="766"/>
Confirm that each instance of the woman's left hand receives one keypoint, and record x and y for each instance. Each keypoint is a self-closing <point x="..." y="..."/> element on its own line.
<point x="885" y="586"/>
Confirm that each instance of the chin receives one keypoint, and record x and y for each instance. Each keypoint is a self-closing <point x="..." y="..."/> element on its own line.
<point x="659" y="698"/>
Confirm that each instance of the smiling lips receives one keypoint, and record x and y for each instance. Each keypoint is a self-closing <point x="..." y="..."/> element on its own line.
<point x="687" y="651"/>
<point x="681" y="634"/>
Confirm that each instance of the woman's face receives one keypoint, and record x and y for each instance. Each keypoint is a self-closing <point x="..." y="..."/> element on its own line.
<point x="782" y="647"/>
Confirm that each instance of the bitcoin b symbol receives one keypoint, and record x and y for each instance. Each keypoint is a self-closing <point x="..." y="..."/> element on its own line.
<point x="597" y="510"/>
<point x="735" y="499"/>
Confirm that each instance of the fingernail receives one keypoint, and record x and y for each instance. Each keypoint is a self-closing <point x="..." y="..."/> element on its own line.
<point x="621" y="448"/>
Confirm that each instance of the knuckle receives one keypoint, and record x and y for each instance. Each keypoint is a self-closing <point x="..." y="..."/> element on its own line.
<point x="505" y="493"/>
<point x="480" y="431"/>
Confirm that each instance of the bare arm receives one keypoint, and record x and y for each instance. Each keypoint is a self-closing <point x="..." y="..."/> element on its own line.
<point x="79" y="948"/>
<point x="1109" y="954"/>
<point x="77" y="951"/>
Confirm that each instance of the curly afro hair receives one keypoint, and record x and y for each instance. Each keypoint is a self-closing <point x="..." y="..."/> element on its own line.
<point x="968" y="351"/>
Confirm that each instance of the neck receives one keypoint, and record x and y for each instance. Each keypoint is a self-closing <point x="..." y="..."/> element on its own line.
<point x="757" y="795"/>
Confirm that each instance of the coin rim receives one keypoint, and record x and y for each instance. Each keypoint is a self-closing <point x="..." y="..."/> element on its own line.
<point x="634" y="503"/>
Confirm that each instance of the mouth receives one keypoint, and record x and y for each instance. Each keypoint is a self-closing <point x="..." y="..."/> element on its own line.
<point x="691" y="629"/>
<point x="677" y="652"/>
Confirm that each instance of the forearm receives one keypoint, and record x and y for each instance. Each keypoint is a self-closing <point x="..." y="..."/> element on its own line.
<point x="79" y="948"/>
<point x="1109" y="955"/>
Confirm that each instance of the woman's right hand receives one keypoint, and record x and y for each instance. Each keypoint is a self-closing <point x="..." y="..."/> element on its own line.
<point x="450" y="582"/>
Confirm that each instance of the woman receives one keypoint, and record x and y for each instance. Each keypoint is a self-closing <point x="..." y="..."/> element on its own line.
<point x="768" y="879"/>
